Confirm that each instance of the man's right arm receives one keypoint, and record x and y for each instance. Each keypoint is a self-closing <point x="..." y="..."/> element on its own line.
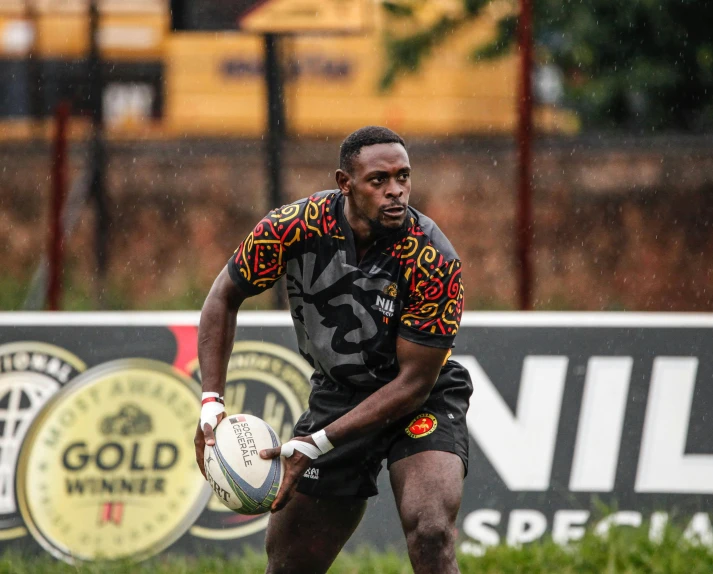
<point x="216" y="334"/>
<point x="255" y="266"/>
<point x="216" y="331"/>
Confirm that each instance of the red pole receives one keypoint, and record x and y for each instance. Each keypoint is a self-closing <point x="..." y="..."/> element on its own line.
<point x="59" y="188"/>
<point x="524" y="148"/>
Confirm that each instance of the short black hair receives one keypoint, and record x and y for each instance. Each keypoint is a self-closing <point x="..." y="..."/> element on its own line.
<point x="363" y="137"/>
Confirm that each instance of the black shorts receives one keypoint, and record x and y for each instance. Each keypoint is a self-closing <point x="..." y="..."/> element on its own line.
<point x="352" y="468"/>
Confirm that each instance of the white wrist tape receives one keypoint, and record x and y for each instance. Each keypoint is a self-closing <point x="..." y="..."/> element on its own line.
<point x="322" y="442"/>
<point x="289" y="448"/>
<point x="210" y="411"/>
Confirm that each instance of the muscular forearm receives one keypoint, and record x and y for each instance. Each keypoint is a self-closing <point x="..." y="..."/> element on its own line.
<point x="216" y="334"/>
<point x="385" y="406"/>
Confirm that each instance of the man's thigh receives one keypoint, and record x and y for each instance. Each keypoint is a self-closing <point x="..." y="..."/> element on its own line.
<point x="427" y="486"/>
<point x="306" y="535"/>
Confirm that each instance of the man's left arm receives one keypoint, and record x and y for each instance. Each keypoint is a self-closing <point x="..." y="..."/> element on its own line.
<point x="419" y="366"/>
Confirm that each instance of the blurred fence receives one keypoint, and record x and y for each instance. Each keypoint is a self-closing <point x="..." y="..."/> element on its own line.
<point x="619" y="223"/>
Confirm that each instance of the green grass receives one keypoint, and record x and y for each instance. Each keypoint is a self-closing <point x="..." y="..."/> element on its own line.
<point x="625" y="551"/>
<point x="12" y="293"/>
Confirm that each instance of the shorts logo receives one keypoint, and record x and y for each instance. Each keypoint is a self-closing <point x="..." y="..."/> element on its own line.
<point x="423" y="425"/>
<point x="312" y="473"/>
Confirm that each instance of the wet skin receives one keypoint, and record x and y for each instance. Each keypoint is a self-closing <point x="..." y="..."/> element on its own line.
<point x="377" y="192"/>
<point x="305" y="535"/>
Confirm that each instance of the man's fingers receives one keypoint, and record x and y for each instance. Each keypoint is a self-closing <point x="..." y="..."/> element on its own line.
<point x="270" y="453"/>
<point x="199" y="443"/>
<point x="208" y="431"/>
<point x="209" y="436"/>
<point x="201" y="464"/>
<point x="285" y="493"/>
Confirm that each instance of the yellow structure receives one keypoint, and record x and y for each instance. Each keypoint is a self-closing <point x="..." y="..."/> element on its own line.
<point x="214" y="82"/>
<point x="59" y="29"/>
<point x="300" y="16"/>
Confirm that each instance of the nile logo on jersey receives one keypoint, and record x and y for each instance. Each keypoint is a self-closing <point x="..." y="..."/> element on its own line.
<point x="386" y="303"/>
<point x="386" y="306"/>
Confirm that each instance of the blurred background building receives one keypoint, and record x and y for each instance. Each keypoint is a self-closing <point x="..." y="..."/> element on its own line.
<point x="165" y="174"/>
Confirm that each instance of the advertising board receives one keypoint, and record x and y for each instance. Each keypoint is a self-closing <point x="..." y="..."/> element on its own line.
<point x="576" y="421"/>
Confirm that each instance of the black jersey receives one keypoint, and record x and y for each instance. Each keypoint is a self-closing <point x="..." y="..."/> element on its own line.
<point x="348" y="313"/>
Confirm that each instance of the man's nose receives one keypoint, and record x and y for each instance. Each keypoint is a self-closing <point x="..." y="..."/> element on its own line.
<point x="394" y="189"/>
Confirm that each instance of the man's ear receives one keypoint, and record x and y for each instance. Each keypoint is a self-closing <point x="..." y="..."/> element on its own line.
<point x="343" y="181"/>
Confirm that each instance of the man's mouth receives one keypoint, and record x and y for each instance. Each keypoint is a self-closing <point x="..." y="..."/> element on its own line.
<point x="394" y="210"/>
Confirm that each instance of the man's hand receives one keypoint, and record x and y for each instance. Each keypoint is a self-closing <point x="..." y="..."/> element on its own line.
<point x="295" y="467"/>
<point x="203" y="437"/>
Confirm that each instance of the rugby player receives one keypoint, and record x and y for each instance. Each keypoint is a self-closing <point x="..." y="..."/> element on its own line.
<point x="376" y="298"/>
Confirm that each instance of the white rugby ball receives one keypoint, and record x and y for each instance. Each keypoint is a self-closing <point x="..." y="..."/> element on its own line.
<point x="242" y="480"/>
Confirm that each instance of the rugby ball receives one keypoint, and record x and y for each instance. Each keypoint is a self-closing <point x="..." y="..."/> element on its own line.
<point x="242" y="480"/>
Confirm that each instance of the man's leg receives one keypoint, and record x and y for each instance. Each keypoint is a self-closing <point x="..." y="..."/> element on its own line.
<point x="306" y="536"/>
<point x="428" y="487"/>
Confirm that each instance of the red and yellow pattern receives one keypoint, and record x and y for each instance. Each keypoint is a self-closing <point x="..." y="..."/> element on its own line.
<point x="436" y="301"/>
<point x="431" y="281"/>
<point x="262" y="257"/>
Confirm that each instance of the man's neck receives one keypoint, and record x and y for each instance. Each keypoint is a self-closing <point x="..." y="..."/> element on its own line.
<point x="364" y="237"/>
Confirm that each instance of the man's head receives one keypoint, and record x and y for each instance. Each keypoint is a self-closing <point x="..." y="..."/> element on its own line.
<point x="375" y="176"/>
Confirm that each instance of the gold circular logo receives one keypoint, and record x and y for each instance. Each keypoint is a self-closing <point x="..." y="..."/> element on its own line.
<point x="30" y="373"/>
<point x="270" y="382"/>
<point x="108" y="468"/>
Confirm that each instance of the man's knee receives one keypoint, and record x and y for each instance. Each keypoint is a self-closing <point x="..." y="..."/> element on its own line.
<point x="430" y="534"/>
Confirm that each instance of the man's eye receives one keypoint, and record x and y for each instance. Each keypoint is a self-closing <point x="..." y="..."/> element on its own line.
<point x="404" y="176"/>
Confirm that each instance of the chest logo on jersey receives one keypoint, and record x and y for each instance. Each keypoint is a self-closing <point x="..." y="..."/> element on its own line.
<point x="386" y="303"/>
<point x="386" y="306"/>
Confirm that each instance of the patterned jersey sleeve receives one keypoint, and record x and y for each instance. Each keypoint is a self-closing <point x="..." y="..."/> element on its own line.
<point x="261" y="259"/>
<point x="433" y="312"/>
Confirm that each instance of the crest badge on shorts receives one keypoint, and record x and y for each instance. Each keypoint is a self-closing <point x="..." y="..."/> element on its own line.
<point x="30" y="373"/>
<point x="423" y="425"/>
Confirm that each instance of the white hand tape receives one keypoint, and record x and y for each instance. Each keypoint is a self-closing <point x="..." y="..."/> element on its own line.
<point x="289" y="448"/>
<point x="322" y="442"/>
<point x="209" y="414"/>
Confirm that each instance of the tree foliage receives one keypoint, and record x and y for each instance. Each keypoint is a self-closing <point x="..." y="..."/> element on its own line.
<point x="645" y="64"/>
